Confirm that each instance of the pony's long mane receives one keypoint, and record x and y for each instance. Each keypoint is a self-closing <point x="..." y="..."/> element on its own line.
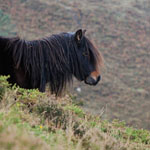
<point x="52" y="59"/>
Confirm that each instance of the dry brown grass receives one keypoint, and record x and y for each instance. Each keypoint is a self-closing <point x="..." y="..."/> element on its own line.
<point x="12" y="139"/>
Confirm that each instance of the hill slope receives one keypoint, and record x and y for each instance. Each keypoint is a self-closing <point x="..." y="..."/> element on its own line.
<point x="30" y="120"/>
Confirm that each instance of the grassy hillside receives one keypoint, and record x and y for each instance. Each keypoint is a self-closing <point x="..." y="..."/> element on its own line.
<point x="120" y="29"/>
<point x="30" y="120"/>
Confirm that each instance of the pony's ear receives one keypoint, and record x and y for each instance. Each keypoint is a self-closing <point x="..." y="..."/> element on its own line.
<point x="79" y="35"/>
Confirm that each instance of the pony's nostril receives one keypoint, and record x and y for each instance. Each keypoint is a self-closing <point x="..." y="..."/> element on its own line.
<point x="89" y="80"/>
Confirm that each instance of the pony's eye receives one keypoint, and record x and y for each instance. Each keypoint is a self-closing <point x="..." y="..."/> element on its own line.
<point x="85" y="54"/>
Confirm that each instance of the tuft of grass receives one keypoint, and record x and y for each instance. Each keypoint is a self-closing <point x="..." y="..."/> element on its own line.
<point x="76" y="109"/>
<point x="139" y="136"/>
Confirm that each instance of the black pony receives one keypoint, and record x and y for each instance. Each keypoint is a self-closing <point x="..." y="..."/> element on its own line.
<point x="53" y="60"/>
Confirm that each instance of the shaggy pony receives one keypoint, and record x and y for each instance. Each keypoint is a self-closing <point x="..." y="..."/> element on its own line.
<point x="53" y="60"/>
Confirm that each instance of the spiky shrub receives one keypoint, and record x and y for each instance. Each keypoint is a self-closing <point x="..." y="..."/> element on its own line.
<point x="60" y="115"/>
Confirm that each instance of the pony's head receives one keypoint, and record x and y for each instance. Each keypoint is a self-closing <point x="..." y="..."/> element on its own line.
<point x="88" y="57"/>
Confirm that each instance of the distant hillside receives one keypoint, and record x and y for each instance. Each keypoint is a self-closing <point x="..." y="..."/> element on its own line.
<point x="120" y="29"/>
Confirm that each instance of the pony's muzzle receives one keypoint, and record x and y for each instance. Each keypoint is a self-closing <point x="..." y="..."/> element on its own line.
<point x="92" y="80"/>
